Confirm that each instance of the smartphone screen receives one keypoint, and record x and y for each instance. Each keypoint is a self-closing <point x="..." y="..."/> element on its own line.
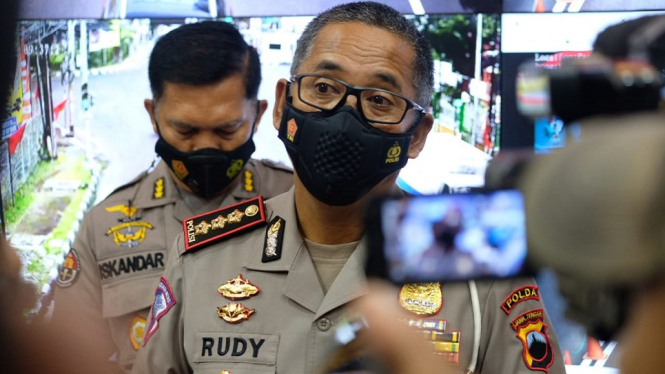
<point x="444" y="238"/>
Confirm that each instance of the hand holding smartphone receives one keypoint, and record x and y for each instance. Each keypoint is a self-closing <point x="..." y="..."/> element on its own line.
<point x="444" y="238"/>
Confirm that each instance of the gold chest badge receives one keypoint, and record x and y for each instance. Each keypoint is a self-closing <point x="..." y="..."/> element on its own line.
<point x="131" y="232"/>
<point x="238" y="289"/>
<point x="425" y="299"/>
<point x="234" y="312"/>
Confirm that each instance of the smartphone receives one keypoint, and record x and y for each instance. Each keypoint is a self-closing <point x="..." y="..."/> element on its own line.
<point x="446" y="238"/>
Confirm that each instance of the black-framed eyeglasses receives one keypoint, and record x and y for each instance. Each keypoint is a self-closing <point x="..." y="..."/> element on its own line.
<point x="376" y="105"/>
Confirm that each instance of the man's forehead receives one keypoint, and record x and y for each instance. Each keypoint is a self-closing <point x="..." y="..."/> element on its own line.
<point x="351" y="46"/>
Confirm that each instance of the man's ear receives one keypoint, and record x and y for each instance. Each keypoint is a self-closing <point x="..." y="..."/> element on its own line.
<point x="149" y="105"/>
<point x="263" y="105"/>
<point x="280" y="102"/>
<point x="420" y="136"/>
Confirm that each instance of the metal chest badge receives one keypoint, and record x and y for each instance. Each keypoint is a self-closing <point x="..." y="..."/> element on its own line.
<point x="272" y="249"/>
<point x="130" y="232"/>
<point x="238" y="289"/>
<point x="425" y="299"/>
<point x="234" y="312"/>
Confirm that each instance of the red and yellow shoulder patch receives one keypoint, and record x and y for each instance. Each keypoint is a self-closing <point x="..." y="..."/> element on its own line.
<point x="212" y="226"/>
<point x="531" y="330"/>
<point x="519" y="295"/>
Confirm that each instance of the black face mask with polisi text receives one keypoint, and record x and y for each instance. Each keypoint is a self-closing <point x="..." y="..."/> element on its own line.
<point x="338" y="156"/>
<point x="205" y="171"/>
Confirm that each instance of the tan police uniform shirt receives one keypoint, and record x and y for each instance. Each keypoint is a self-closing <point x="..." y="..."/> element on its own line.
<point x="110" y="274"/>
<point x="288" y="326"/>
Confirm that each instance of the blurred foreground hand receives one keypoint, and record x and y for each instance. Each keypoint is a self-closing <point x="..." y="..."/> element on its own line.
<point x="395" y="344"/>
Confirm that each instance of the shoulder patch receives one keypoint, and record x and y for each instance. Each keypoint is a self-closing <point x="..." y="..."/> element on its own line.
<point x="519" y="295"/>
<point x="272" y="248"/>
<point x="531" y="330"/>
<point x="276" y="165"/>
<point x="69" y="270"/>
<point x="164" y="301"/>
<point x="212" y="226"/>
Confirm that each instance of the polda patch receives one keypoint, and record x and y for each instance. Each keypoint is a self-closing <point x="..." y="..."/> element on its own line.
<point x="164" y="301"/>
<point x="520" y="295"/>
<point x="70" y="269"/>
<point x="531" y="330"/>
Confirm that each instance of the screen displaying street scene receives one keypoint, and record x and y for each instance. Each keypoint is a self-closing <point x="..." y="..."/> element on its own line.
<point x="78" y="129"/>
<point x="574" y="6"/>
<point x="527" y="39"/>
<point x="454" y="237"/>
<point x="96" y="9"/>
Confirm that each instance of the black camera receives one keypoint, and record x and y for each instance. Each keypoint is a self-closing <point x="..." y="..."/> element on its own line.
<point x="586" y="87"/>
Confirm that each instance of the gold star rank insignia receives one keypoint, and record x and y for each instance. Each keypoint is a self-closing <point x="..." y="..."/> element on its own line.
<point x="238" y="289"/>
<point x="212" y="226"/>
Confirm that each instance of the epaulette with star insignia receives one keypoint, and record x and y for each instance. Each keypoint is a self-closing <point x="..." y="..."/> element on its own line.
<point x="210" y="227"/>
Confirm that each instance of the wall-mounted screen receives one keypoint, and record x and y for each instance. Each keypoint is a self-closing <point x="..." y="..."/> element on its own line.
<point x="59" y="9"/>
<point x="575" y="6"/>
<point x="528" y="38"/>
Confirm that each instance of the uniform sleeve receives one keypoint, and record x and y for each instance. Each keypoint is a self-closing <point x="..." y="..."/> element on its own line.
<point x="78" y="293"/>
<point x="517" y="335"/>
<point x="163" y="345"/>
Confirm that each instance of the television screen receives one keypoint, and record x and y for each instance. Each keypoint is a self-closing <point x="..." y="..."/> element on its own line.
<point x="58" y="9"/>
<point x="574" y="6"/>
<point x="545" y="40"/>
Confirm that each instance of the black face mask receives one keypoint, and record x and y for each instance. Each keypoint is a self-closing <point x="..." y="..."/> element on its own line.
<point x="338" y="156"/>
<point x="205" y="171"/>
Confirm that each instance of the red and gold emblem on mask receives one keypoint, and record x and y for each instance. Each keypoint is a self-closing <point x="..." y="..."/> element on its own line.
<point x="234" y="312"/>
<point x="137" y="332"/>
<point x="238" y="288"/>
<point x="179" y="169"/>
<point x="291" y="129"/>
<point x="532" y="331"/>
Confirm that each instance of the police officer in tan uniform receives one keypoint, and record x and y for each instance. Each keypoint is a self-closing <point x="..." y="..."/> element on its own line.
<point x="204" y="80"/>
<point x="260" y="289"/>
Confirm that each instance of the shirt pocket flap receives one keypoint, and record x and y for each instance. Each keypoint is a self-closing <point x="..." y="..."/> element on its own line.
<point x="129" y="296"/>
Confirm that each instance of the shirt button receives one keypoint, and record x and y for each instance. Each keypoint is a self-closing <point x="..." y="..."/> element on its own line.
<point x="324" y="324"/>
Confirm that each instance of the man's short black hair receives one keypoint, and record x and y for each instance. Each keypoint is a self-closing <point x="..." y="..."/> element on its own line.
<point x="384" y="17"/>
<point x="203" y="53"/>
